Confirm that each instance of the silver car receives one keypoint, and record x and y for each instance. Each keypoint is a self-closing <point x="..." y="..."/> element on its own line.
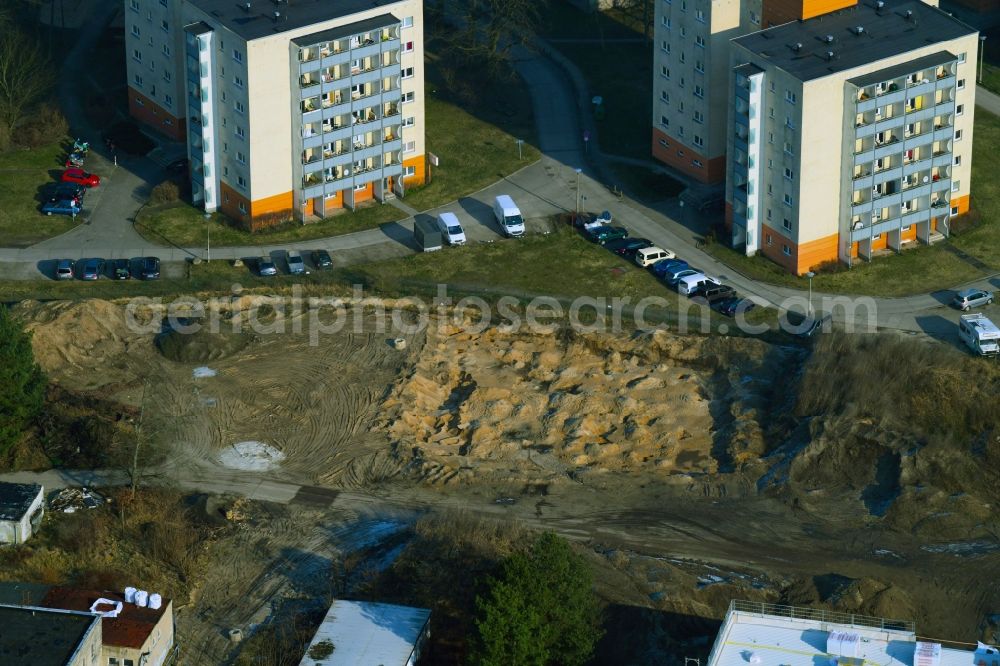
<point x="972" y="298"/>
<point x="64" y="269"/>
<point x="296" y="266"/>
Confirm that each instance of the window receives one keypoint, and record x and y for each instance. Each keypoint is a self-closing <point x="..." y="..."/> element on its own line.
<point x="956" y="185"/>
<point x="240" y="132"/>
<point x="961" y="57"/>
<point x="698" y="141"/>
<point x="684" y="31"/>
<point x="241" y="181"/>
<point x="242" y="205"/>
<point x="237" y="55"/>
<point x="112" y="661"/>
<point x="769" y="214"/>
<point x="684" y="5"/>
<point x="681" y="83"/>
<point x="128" y="662"/>
<point x="168" y="100"/>
<point x="152" y="66"/>
<point x="958" y="160"/>
<point x="135" y="31"/>
<point x="238" y="105"/>
<point x="408" y="122"/>
<point x="407" y="47"/>
<point x="789" y="123"/>
<point x="134" y="5"/>
<point x="407" y="73"/>
<point x="754" y="18"/>
<point x="407" y="97"/>
<point x="664" y="143"/>
<point x="683" y="58"/>
<point x="699" y="15"/>
<point x="138" y="100"/>
<point x="240" y="157"/>
<point x="960" y="109"/>
<point x="666" y="23"/>
<point x="164" y="25"/>
<point x="787" y="199"/>
<point x="166" y="50"/>
<point x="138" y="80"/>
<point x="409" y="171"/>
<point x="409" y="146"/>
<point x="790" y="97"/>
<point x="699" y="117"/>
<point x="961" y="84"/>
<point x="664" y="96"/>
<point x="664" y="46"/>
<point x="958" y="135"/>
<point x="665" y="121"/>
<point x="680" y="131"/>
<point x="699" y="66"/>
<point x="789" y="174"/>
<point x="665" y="72"/>
<point x="877" y="237"/>
<point x="407" y="21"/>
<point x="224" y="96"/>
<point x="785" y="250"/>
<point x="787" y="224"/>
<point x="699" y="41"/>
<point x="237" y="81"/>
<point x="954" y="210"/>
<point x="699" y="91"/>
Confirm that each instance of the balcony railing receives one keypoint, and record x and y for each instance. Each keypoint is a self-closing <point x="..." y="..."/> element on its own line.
<point x="818" y="615"/>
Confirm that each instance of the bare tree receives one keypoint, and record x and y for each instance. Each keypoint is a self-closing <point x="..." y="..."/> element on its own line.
<point x="26" y="75"/>
<point x="491" y="28"/>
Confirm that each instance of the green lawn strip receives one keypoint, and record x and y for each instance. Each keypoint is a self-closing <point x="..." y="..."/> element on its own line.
<point x="23" y="174"/>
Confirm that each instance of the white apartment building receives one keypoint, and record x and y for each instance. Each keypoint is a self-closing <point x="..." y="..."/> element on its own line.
<point x="297" y="109"/>
<point x="691" y="81"/>
<point x="850" y="134"/>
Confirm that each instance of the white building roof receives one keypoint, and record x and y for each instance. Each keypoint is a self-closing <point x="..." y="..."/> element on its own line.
<point x="368" y="634"/>
<point x="755" y="634"/>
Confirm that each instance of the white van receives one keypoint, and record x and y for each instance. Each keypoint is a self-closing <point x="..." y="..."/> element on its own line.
<point x="688" y="284"/>
<point x="648" y="256"/>
<point x="451" y="229"/>
<point x="979" y="333"/>
<point x="508" y="216"/>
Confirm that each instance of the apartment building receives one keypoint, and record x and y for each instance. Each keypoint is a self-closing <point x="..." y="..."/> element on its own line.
<point x="850" y="133"/>
<point x="691" y="81"/>
<point x="298" y="109"/>
<point x="154" y="60"/>
<point x="765" y="634"/>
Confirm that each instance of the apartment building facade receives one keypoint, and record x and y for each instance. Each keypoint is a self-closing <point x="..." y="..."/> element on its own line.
<point x="153" y="60"/>
<point x="691" y="81"/>
<point x="298" y="109"/>
<point x="850" y="133"/>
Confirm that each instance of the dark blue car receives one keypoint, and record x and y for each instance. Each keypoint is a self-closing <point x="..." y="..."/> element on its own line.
<point x="665" y="266"/>
<point x="63" y="207"/>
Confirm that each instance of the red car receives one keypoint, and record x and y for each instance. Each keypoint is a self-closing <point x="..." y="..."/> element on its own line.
<point x="81" y="177"/>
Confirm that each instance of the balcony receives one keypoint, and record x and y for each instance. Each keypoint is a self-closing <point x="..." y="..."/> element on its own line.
<point x="864" y="174"/>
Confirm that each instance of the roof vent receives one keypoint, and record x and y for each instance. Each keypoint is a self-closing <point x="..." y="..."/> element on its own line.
<point x="909" y="14"/>
<point x="277" y="15"/>
<point x="879" y="5"/>
<point x="860" y="30"/>
<point x="797" y="46"/>
<point x="828" y="39"/>
<point x="246" y="6"/>
<point x="829" y="55"/>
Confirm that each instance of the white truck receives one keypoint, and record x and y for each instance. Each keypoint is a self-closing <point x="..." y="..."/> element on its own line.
<point x="979" y="333"/>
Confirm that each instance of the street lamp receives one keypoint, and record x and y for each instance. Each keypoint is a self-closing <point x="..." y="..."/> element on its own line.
<point x="810" y="275"/>
<point x="578" y="170"/>
<point x="208" y="238"/>
<point x="982" y="51"/>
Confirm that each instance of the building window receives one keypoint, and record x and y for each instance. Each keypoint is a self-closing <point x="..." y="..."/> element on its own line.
<point x="407" y="73"/>
<point x="241" y="181"/>
<point x="238" y="105"/>
<point x="664" y="46"/>
<point x="683" y="57"/>
<point x="224" y="96"/>
<point x="135" y="31"/>
<point x="754" y="18"/>
<point x="167" y="76"/>
<point x="954" y="210"/>
<point x="699" y="15"/>
<point x="788" y="148"/>
<point x="133" y="5"/>
<point x="960" y="109"/>
<point x="240" y="157"/>
<point x="664" y="143"/>
<point x="790" y="97"/>
<point x="681" y="83"/>
<point x="684" y="31"/>
<point x="768" y="239"/>
<point x="958" y="160"/>
<point x="956" y="185"/>
<point x="407" y="47"/>
<point x="697" y="163"/>
<point x="665" y="22"/>
<point x="665" y="121"/>
<point x="138" y="100"/>
<point x="243" y="208"/>
<point x="409" y="146"/>
<point x="168" y="100"/>
<point x="785" y="250"/>
<point x="787" y="199"/>
<point x="164" y="25"/>
<point x="699" y="41"/>
<point x="138" y="80"/>
<point x="699" y="66"/>
<point x="407" y="97"/>
<point x="680" y="131"/>
<point x="407" y="21"/>
<point x="698" y="141"/>
<point x="665" y="72"/>
<point x="958" y="135"/>
<point x="699" y="92"/>
<point x="237" y="81"/>
<point x="961" y="57"/>
<point x="699" y="117"/>
<point x="789" y="174"/>
<point x="240" y="132"/>
<point x="237" y="55"/>
<point x="409" y="171"/>
<point x="961" y="84"/>
<point x="137" y="55"/>
<point x="787" y="224"/>
<point x="789" y="123"/>
<point x="664" y="96"/>
<point x="877" y="237"/>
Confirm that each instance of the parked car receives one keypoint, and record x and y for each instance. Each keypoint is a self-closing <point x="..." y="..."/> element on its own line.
<point x="603" y="234"/>
<point x="627" y="247"/>
<point x="120" y="270"/>
<point x="321" y="259"/>
<point x="91" y="269"/>
<point x="650" y="255"/>
<point x="508" y="216"/>
<point x="672" y="278"/>
<point x="710" y="293"/>
<point x="82" y="177"/>
<point x="296" y="266"/>
<point x="731" y="305"/>
<point x="664" y="266"/>
<point x="451" y="229"/>
<point x="62" y="207"/>
<point x="266" y="267"/>
<point x="690" y="284"/>
<point x="64" y="269"/>
<point x="810" y="325"/>
<point x="972" y="298"/>
<point x="149" y="268"/>
<point x="68" y="191"/>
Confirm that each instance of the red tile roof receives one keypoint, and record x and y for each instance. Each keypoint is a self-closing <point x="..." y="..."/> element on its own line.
<point x="129" y="630"/>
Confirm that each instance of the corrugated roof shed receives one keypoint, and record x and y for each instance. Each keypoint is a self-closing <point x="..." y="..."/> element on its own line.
<point x="16" y="499"/>
<point x="368" y="634"/>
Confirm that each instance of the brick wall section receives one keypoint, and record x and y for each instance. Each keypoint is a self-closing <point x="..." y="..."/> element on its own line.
<point x="155" y="116"/>
<point x="683" y="159"/>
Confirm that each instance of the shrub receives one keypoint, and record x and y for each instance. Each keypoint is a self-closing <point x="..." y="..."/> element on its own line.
<point x="22" y="383"/>
<point x="165" y="192"/>
<point x="47" y="125"/>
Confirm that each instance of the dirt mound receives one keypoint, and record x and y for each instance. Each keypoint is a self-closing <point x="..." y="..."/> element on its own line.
<point x="198" y="344"/>
<point x="552" y="403"/>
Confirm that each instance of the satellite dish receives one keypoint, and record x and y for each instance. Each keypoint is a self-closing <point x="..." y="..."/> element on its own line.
<point x="926" y="179"/>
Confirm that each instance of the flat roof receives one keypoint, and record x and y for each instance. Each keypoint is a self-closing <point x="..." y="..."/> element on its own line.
<point x="130" y="629"/>
<point x="341" y="31"/>
<point x="16" y="499"/>
<point x="368" y="634"/>
<point x="752" y="639"/>
<point x="899" y="27"/>
<point x="41" y="636"/>
<point x="259" y="20"/>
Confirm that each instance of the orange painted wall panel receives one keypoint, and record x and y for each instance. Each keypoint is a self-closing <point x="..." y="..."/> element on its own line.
<point x="880" y="243"/>
<point x="275" y="204"/>
<point x="366" y="194"/>
<point x="812" y="254"/>
<point x="909" y="235"/>
<point x="682" y="158"/>
<point x="962" y="203"/>
<point x="420" y="177"/>
<point x="155" y="116"/>
<point x="776" y="12"/>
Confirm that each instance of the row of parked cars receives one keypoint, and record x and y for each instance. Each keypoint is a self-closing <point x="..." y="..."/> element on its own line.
<point x="673" y="271"/>
<point x="146" y="268"/>
<point x="66" y="196"/>
<point x="295" y="263"/>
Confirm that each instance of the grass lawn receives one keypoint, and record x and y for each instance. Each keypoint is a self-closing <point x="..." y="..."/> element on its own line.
<point x="24" y="173"/>
<point x="184" y="225"/>
<point x="921" y="270"/>
<point x="620" y="72"/>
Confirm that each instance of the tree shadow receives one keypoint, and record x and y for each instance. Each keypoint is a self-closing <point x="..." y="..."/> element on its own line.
<point x="636" y="636"/>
